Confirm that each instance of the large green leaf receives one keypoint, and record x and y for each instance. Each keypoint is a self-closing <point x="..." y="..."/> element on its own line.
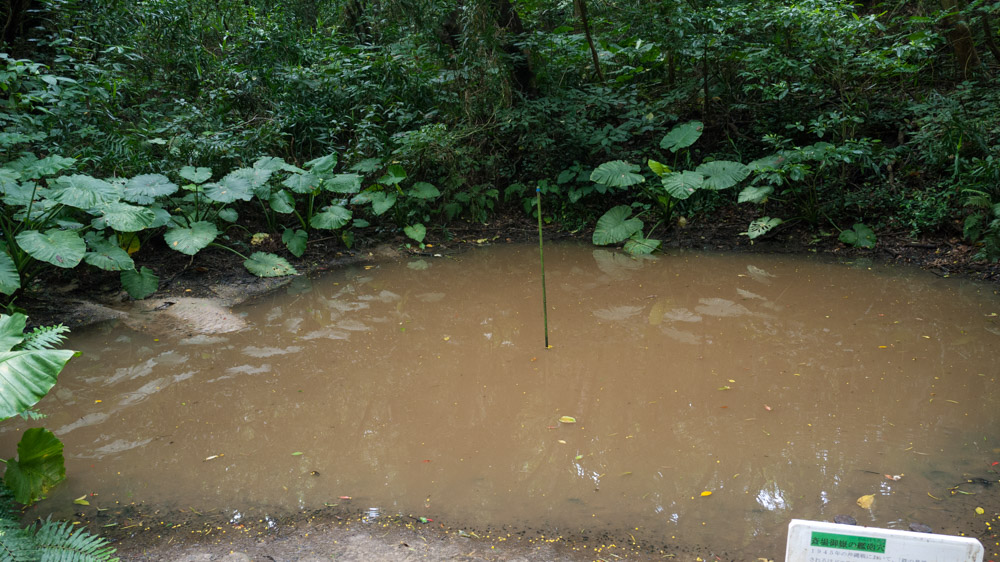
<point x="144" y="189"/>
<point x="860" y="236"/>
<point x="382" y="201"/>
<point x="393" y="175"/>
<point x="30" y="167"/>
<point x="424" y="190"/>
<point x="295" y="241"/>
<point x="755" y="194"/>
<point x="229" y="189"/>
<point x="639" y="246"/>
<point x="257" y="178"/>
<point x="140" y="284"/>
<point x="18" y="194"/>
<point x="722" y="174"/>
<point x="282" y="202"/>
<point x="682" y="136"/>
<point x="126" y="218"/>
<point x="10" y="279"/>
<point x="658" y="168"/>
<point x="263" y="264"/>
<point x="191" y="240"/>
<point x="12" y="330"/>
<point x="343" y="183"/>
<point x="616" y="173"/>
<point x="416" y="232"/>
<point x="82" y="192"/>
<point x="26" y="375"/>
<point x="38" y="467"/>
<point x="323" y="164"/>
<point x="301" y="183"/>
<point x="615" y="226"/>
<point x="761" y="226"/>
<point x="680" y="185"/>
<point x="195" y="175"/>
<point x="61" y="248"/>
<point x="332" y="218"/>
<point x="108" y="255"/>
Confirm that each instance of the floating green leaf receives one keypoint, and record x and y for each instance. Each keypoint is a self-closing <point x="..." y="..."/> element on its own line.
<point x="140" y="284"/>
<point x="615" y="226"/>
<point x="264" y="264"/>
<point x="682" y="136"/>
<point x="192" y="239"/>
<point x="61" y="248"/>
<point x="616" y="173"/>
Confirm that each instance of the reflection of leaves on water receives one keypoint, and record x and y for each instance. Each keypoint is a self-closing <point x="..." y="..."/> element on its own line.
<point x="749" y="295"/>
<point x="721" y="307"/>
<point x="617" y="313"/>
<point x="618" y="265"/>
<point x="418" y="265"/>
<point x="759" y="275"/>
<point x="682" y="315"/>
<point x="680" y="335"/>
<point x="431" y="297"/>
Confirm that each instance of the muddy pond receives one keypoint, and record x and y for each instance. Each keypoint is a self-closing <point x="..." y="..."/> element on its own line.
<point x="686" y="399"/>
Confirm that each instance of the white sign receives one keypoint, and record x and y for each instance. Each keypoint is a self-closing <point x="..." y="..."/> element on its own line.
<point x="819" y="541"/>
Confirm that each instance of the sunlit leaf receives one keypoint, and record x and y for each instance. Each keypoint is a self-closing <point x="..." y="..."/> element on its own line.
<point x="658" y="168"/>
<point x="706" y="493"/>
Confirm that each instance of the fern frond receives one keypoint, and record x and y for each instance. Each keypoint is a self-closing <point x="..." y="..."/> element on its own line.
<point x="44" y="337"/>
<point x="59" y="542"/>
<point x="16" y="544"/>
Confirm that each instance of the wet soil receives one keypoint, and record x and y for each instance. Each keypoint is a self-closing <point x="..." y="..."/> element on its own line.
<point x="338" y="533"/>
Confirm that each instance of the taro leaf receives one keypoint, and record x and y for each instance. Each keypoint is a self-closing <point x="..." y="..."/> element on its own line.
<point x="263" y="264"/>
<point x="332" y="218"/>
<point x="361" y="223"/>
<point x="295" y="241"/>
<point x="12" y="330"/>
<point x="108" y="255"/>
<point x="10" y="280"/>
<point x="144" y="189"/>
<point x="282" y="202"/>
<point x="382" y="201"/>
<point x="38" y="467"/>
<point x="722" y="174"/>
<point x="195" y="175"/>
<point x="680" y="185"/>
<point x="771" y="162"/>
<point x="682" y="136"/>
<point x="367" y="165"/>
<point x="126" y="218"/>
<point x="343" y="183"/>
<point x="393" y="175"/>
<point x="755" y="194"/>
<point x="26" y="375"/>
<point x="228" y="215"/>
<point x="229" y="189"/>
<point x="31" y="168"/>
<point x="416" y="232"/>
<point x="616" y="173"/>
<point x="191" y="240"/>
<point x="761" y="226"/>
<point x="615" y="226"/>
<point x="322" y="164"/>
<point x="140" y="284"/>
<point x="424" y="190"/>
<point x="18" y="194"/>
<point x="61" y="248"/>
<point x="639" y="246"/>
<point x="861" y="236"/>
<point x="272" y="163"/>
<point x="82" y="192"/>
<point x="257" y="178"/>
<point x="301" y="183"/>
<point x="658" y="168"/>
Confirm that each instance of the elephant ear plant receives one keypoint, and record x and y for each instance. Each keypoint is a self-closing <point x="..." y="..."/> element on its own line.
<point x="674" y="185"/>
<point x="28" y="369"/>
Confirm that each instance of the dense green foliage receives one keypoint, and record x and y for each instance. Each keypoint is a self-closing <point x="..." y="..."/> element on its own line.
<point x="882" y="114"/>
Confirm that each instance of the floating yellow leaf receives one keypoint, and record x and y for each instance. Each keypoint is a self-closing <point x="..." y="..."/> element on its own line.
<point x="980" y="510"/>
<point x="724" y="388"/>
<point x="865" y="502"/>
<point x="82" y="500"/>
<point x="567" y="419"/>
<point x="706" y="493"/>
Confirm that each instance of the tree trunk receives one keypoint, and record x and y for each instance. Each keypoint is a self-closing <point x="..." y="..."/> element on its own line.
<point x="581" y="10"/>
<point x="960" y="37"/>
<point x="521" y="71"/>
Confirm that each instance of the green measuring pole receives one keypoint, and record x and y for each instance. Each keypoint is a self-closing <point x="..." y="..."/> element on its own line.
<point x="541" y="259"/>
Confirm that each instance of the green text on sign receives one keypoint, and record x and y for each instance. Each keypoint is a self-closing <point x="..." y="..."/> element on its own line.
<point x="848" y="542"/>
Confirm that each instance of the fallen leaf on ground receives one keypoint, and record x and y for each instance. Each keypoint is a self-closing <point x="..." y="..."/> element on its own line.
<point x="865" y="502"/>
<point x="706" y="493"/>
<point x="82" y="500"/>
<point x="979" y="510"/>
<point x="567" y="419"/>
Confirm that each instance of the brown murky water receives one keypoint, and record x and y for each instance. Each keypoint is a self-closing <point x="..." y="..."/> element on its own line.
<point x="785" y="387"/>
